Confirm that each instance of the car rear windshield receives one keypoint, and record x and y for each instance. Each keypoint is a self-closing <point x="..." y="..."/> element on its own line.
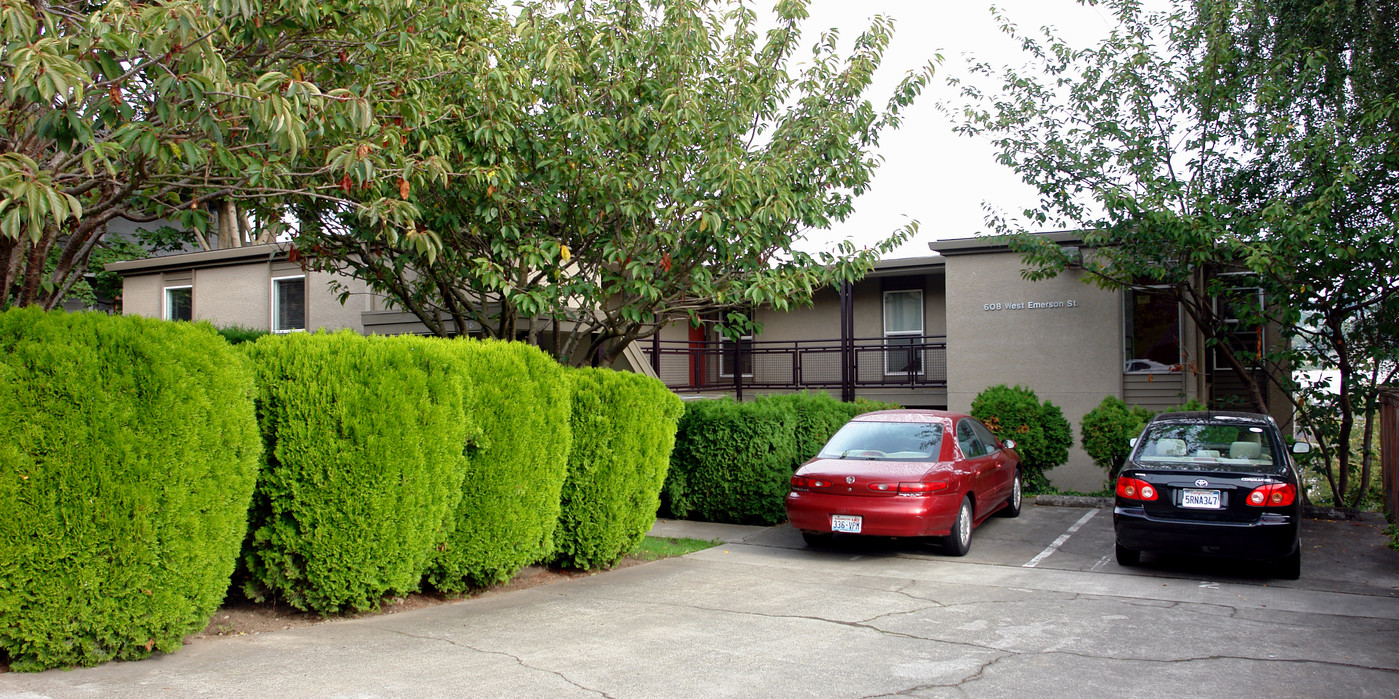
<point x="1193" y="446"/>
<point x="894" y="441"/>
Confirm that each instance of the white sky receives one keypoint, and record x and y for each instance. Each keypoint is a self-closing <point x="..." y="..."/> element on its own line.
<point x="929" y="173"/>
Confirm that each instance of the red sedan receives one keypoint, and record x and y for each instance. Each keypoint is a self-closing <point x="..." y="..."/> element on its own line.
<point x="906" y="473"/>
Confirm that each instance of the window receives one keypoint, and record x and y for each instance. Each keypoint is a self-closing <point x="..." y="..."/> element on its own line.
<point x="983" y="433"/>
<point x="288" y="304"/>
<point x="903" y="330"/>
<point x="1153" y="333"/>
<point x="972" y="445"/>
<point x="1237" y="312"/>
<point x="742" y="351"/>
<point x="179" y="303"/>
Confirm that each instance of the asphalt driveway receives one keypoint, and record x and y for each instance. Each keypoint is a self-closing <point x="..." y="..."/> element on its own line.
<point x="1034" y="609"/>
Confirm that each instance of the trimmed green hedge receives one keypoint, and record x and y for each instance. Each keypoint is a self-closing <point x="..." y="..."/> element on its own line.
<point x="733" y="462"/>
<point x="818" y="417"/>
<point x="509" y="508"/>
<point x="364" y="462"/>
<point x="623" y="430"/>
<point x="128" y="452"/>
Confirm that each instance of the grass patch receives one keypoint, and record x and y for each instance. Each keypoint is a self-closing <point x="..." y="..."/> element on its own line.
<point x="654" y="548"/>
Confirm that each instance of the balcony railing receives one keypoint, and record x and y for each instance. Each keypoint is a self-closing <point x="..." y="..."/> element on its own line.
<point x="914" y="362"/>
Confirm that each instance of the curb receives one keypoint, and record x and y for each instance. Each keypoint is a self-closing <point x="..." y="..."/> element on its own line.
<point x="1073" y="501"/>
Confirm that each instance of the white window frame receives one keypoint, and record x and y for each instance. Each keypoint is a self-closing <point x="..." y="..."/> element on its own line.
<point x="276" y="297"/>
<point x="888" y="349"/>
<point x="165" y="300"/>
<point x="725" y="346"/>
<point x="1232" y="322"/>
<point x="1127" y="315"/>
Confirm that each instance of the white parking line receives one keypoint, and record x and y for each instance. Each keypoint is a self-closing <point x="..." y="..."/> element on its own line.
<point x="1060" y="541"/>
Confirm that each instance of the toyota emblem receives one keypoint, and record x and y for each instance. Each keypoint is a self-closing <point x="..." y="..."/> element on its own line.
<point x="849" y="479"/>
<point x="1201" y="482"/>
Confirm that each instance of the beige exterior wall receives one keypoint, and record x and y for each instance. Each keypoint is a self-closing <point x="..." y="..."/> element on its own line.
<point x="1070" y="354"/>
<point x="241" y="294"/>
<point x="143" y="295"/>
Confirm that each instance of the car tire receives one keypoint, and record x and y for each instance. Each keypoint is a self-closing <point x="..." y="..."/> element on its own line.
<point x="1127" y="557"/>
<point x="817" y="539"/>
<point x="1012" y="508"/>
<point x="959" y="540"/>
<point x="1290" y="567"/>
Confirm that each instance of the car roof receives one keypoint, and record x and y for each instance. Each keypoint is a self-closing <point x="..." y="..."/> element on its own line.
<point x="908" y="415"/>
<point x="1220" y="416"/>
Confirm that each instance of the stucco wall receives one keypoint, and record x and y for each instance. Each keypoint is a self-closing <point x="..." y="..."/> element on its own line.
<point x="1069" y="353"/>
<point x="241" y="294"/>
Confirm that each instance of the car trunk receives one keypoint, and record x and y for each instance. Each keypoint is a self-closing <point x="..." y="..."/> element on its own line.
<point x="853" y="476"/>
<point x="1216" y="496"/>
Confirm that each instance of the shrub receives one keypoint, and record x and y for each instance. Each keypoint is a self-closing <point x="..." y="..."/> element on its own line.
<point x="1041" y="433"/>
<point x="1107" y="429"/>
<point x="818" y="417"/>
<point x="364" y="444"/>
<point x="623" y="428"/>
<point x="509" y="507"/>
<point x="237" y="334"/>
<point x="129" y="450"/>
<point x="732" y="461"/>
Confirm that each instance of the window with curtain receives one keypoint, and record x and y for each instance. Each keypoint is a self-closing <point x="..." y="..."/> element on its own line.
<point x="903" y="330"/>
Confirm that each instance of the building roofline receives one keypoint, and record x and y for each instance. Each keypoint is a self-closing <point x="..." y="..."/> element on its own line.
<point x="203" y="258"/>
<point x="994" y="243"/>
<point x="930" y="263"/>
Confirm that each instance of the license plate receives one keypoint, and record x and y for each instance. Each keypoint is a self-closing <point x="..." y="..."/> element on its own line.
<point x="1200" y="499"/>
<point x="846" y="524"/>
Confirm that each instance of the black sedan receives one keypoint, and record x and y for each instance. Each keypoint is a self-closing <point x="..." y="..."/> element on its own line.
<point x="1214" y="484"/>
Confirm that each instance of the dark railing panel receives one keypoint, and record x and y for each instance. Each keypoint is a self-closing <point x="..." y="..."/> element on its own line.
<point x="686" y="365"/>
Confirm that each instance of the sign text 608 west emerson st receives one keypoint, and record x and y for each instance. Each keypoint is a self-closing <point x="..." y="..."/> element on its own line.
<point x="1029" y="305"/>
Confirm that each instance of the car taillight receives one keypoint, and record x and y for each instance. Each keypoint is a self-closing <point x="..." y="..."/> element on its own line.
<point x="804" y="483"/>
<point x="917" y="488"/>
<point x="1273" y="495"/>
<point x="1135" y="489"/>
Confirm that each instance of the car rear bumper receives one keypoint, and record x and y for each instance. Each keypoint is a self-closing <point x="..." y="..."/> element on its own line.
<point x="1270" y="537"/>
<point x="894" y="515"/>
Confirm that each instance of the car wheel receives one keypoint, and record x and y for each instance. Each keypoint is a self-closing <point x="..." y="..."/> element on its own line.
<point x="1127" y="557"/>
<point x="959" y="540"/>
<point x="1012" y="508"/>
<point x="817" y="540"/>
<point x="1290" y="567"/>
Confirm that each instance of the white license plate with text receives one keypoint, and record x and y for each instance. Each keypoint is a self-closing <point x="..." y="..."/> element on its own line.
<point x="846" y="524"/>
<point x="1200" y="499"/>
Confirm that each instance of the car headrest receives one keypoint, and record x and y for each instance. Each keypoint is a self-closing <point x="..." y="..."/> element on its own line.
<point x="1245" y="450"/>
<point x="1170" y="447"/>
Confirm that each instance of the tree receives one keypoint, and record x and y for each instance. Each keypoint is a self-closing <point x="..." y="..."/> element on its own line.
<point x="170" y="109"/>
<point x="1222" y="138"/>
<point x="628" y="163"/>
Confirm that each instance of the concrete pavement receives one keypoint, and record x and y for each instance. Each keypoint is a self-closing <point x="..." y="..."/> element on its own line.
<point x="763" y="616"/>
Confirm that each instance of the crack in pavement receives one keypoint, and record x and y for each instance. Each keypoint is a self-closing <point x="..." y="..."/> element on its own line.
<point x="518" y="660"/>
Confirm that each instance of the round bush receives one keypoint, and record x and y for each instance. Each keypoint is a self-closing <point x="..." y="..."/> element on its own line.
<point x="364" y="444"/>
<point x="623" y="428"/>
<point x="1041" y="433"/>
<point x="1107" y="430"/>
<point x="129" y="450"/>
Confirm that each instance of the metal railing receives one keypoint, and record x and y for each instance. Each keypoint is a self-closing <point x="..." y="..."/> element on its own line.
<point x="804" y="364"/>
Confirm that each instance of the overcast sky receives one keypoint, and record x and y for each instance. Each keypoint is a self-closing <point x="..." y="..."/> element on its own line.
<point x="929" y="173"/>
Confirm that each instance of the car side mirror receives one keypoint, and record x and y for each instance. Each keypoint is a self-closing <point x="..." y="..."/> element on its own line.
<point x="1008" y="443"/>
<point x="1132" y="442"/>
<point x="1302" y="448"/>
